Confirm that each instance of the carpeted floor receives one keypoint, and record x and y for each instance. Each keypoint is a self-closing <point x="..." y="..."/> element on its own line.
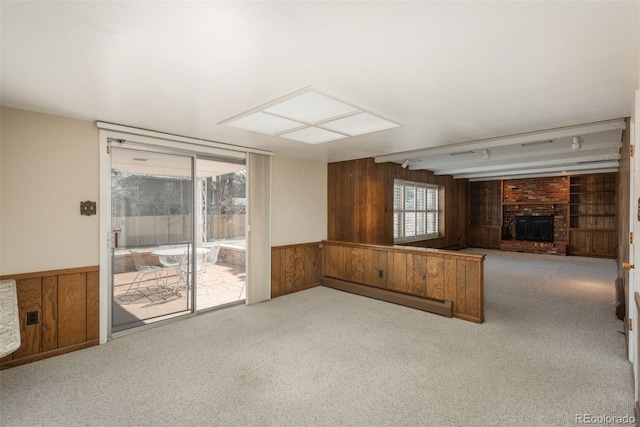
<point x="549" y="350"/>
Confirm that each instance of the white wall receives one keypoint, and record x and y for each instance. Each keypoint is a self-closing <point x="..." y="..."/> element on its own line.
<point x="49" y="165"/>
<point x="298" y="201"/>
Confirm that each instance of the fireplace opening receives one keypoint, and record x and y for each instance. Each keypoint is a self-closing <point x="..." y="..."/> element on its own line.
<point x="534" y="228"/>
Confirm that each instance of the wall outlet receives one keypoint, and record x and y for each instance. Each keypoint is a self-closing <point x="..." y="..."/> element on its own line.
<point x="32" y="317"/>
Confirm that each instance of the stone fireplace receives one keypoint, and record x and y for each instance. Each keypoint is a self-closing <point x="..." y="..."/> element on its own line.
<point x="540" y="206"/>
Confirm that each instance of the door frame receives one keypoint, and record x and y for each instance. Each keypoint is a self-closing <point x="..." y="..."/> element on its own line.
<point x="158" y="140"/>
<point x="634" y="256"/>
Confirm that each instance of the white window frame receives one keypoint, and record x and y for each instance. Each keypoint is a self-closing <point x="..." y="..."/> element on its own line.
<point x="400" y="233"/>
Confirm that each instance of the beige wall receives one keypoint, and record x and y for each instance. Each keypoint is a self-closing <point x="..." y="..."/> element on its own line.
<point x="298" y="201"/>
<point x="49" y="164"/>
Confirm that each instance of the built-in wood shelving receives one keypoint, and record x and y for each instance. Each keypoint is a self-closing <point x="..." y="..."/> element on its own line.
<point x="593" y="215"/>
<point x="585" y="207"/>
<point x="486" y="214"/>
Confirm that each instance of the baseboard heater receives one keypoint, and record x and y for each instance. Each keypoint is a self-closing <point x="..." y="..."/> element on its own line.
<point x="426" y="304"/>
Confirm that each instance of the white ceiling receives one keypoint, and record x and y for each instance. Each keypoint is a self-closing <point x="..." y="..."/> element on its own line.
<point x="447" y="72"/>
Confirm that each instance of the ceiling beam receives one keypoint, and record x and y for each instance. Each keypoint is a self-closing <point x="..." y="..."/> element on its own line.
<point x="429" y="165"/>
<point x="523" y="138"/>
<point x="554" y="161"/>
<point x="602" y="165"/>
<point x="543" y="175"/>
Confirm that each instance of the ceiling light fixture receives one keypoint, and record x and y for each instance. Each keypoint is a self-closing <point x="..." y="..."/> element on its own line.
<point x="310" y="116"/>
<point x="405" y="164"/>
<point x="486" y="154"/>
<point x="576" y="144"/>
<point x="461" y="152"/>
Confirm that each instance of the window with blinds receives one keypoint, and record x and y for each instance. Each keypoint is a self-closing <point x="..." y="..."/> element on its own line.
<point x="416" y="210"/>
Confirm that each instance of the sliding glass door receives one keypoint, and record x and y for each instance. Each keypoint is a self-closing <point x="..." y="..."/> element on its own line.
<point x="221" y="231"/>
<point x="177" y="220"/>
<point x="152" y="225"/>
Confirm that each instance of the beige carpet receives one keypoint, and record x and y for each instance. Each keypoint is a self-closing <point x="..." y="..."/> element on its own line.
<point x="549" y="350"/>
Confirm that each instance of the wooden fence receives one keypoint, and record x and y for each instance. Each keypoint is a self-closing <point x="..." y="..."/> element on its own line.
<point x="154" y="230"/>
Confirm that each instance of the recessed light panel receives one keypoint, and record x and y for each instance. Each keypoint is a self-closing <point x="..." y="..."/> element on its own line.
<point x="313" y="135"/>
<point x="359" y="124"/>
<point x="265" y="123"/>
<point x="310" y="116"/>
<point x="311" y="107"/>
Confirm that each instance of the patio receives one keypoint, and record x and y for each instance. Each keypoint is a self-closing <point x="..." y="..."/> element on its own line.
<point x="157" y="299"/>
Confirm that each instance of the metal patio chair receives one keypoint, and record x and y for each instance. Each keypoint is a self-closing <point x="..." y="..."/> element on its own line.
<point x="143" y="270"/>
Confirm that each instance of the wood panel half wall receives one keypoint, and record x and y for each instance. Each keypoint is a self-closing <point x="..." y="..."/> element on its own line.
<point x="438" y="275"/>
<point x="66" y="303"/>
<point x="295" y="268"/>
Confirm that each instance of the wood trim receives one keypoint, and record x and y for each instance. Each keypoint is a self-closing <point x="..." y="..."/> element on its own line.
<point x="296" y="245"/>
<point x="47" y="354"/>
<point x="49" y="273"/>
<point x="421" y="303"/>
<point x="410" y="249"/>
<point x="546" y="202"/>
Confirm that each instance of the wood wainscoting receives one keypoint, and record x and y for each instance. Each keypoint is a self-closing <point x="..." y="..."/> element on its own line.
<point x="67" y="306"/>
<point x="438" y="275"/>
<point x="295" y="268"/>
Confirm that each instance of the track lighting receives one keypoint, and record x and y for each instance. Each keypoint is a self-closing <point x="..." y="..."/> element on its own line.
<point x="405" y="164"/>
<point x="576" y="144"/>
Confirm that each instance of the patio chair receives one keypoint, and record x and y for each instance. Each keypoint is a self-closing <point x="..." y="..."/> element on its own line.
<point x="143" y="270"/>
<point x="212" y="259"/>
<point x="168" y="262"/>
<point x="212" y="256"/>
<point x="184" y="271"/>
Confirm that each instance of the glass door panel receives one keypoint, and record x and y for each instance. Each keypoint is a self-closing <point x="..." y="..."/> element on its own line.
<point x="152" y="223"/>
<point x="221" y="231"/>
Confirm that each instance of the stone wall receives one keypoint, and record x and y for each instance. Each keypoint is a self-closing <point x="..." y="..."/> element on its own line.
<point x="539" y="197"/>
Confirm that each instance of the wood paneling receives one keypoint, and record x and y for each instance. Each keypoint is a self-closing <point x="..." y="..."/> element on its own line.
<point x="484" y="236"/>
<point x="72" y="309"/>
<point x="596" y="243"/>
<point x="50" y="313"/>
<point x="428" y="273"/>
<point x="67" y="303"/>
<point x="435" y="277"/>
<point x="360" y="203"/>
<point x="399" y="282"/>
<point x="93" y="306"/>
<point x="29" y="300"/>
<point x="296" y="267"/>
